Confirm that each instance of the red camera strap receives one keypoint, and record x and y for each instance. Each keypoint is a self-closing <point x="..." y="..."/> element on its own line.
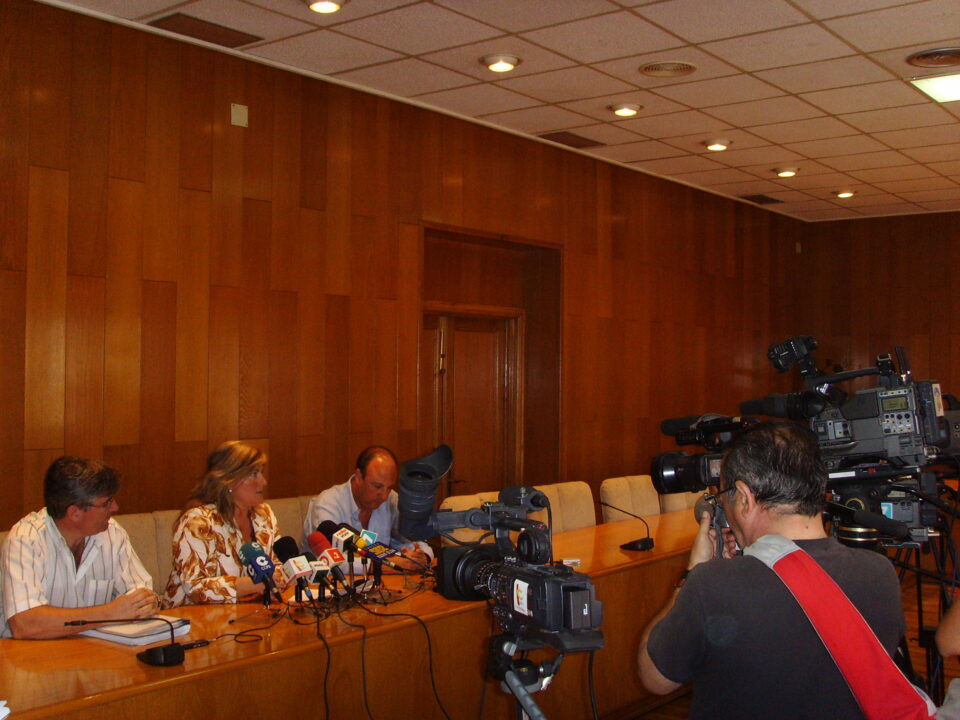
<point x="880" y="688"/>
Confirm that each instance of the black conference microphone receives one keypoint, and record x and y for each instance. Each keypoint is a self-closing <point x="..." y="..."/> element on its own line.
<point x="260" y="569"/>
<point x="867" y="519"/>
<point x="641" y="544"/>
<point x="165" y="655"/>
<point x="286" y="550"/>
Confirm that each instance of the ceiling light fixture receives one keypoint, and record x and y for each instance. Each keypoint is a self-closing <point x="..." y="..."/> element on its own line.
<point x="325" y="7"/>
<point x="942" y="88"/>
<point x="668" y="68"/>
<point x="935" y="58"/>
<point x="717" y="145"/>
<point x="626" y="109"/>
<point x="844" y="194"/>
<point x="786" y="172"/>
<point x="500" y="63"/>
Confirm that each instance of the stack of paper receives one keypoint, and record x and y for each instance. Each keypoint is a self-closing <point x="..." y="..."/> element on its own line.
<point x="139" y="633"/>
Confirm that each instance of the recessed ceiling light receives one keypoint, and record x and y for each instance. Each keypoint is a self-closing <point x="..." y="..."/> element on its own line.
<point x="717" y="145"/>
<point x="326" y="7"/>
<point x="500" y="63"/>
<point x="786" y="172"/>
<point x="844" y="194"/>
<point x="942" y="88"/>
<point x="625" y="109"/>
<point x="941" y="57"/>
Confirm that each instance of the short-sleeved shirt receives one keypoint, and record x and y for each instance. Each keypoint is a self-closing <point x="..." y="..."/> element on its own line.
<point x="738" y="634"/>
<point x="338" y="504"/>
<point x="206" y="555"/>
<point x="38" y="568"/>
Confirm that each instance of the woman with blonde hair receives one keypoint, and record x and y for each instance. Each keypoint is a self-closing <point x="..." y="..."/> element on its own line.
<point x="226" y="510"/>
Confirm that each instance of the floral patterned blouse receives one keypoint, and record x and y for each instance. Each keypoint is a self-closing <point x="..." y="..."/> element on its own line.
<point x="206" y="555"/>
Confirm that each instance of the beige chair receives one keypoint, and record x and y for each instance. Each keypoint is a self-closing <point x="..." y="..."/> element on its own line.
<point x="289" y="517"/>
<point x="679" y="501"/>
<point x="634" y="493"/>
<point x="141" y="528"/>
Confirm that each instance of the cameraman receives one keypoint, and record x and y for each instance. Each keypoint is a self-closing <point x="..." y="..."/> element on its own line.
<point x="733" y="628"/>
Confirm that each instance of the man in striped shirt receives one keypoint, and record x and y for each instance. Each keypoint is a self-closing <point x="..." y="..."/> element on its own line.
<point x="71" y="560"/>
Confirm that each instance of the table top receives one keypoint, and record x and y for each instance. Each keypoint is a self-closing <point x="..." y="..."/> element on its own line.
<point x="80" y="671"/>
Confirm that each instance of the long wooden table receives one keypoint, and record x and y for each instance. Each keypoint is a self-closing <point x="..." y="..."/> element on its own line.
<point x="281" y="675"/>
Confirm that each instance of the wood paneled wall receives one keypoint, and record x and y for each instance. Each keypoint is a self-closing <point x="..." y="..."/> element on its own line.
<point x="169" y="281"/>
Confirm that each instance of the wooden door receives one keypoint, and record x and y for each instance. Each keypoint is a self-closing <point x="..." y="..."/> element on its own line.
<point x="469" y="398"/>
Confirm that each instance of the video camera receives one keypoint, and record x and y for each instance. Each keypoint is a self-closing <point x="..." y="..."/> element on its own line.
<point x="875" y="443"/>
<point x="533" y="597"/>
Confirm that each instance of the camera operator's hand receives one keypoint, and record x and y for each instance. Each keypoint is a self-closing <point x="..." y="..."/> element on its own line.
<point x="705" y="543"/>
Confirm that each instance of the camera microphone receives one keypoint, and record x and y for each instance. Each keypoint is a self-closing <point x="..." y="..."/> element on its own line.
<point x="641" y="544"/>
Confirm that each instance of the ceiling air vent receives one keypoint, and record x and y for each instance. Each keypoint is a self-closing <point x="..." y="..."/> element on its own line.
<point x="570" y="140"/>
<point x="936" y="58"/>
<point x="668" y="68"/>
<point x="203" y="30"/>
<point x="760" y="199"/>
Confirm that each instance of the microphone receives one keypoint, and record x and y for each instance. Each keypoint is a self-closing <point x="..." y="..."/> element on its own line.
<point x="165" y="655"/>
<point x="867" y="519"/>
<point x="295" y="565"/>
<point x="260" y="569"/>
<point x="641" y="544"/>
<point x="379" y="553"/>
<point x="333" y="557"/>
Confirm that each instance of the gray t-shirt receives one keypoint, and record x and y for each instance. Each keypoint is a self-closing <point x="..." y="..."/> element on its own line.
<point x="739" y="635"/>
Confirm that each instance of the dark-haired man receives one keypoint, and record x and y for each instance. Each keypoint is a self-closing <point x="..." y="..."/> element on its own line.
<point x="367" y="500"/>
<point x="734" y="629"/>
<point x="71" y="560"/>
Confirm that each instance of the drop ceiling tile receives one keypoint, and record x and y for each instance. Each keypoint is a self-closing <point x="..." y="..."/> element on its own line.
<point x="792" y="196"/>
<point x="567" y="84"/>
<point x="805" y="205"/>
<point x="820" y="181"/>
<point x="678" y="165"/>
<point x="245" y="18"/>
<point x="761" y="112"/>
<point x="599" y="107"/>
<point x="816" y="128"/>
<point x="931" y="195"/>
<point x="697" y="21"/>
<point x="607" y="134"/>
<point x="324" y="52"/>
<point x="896" y="60"/>
<point x="804" y="167"/>
<point x="603" y="37"/>
<point x="832" y="147"/>
<point x="826" y="214"/>
<point x="514" y="16"/>
<point x="941" y="206"/>
<point x="676" y="124"/>
<point x="921" y="22"/>
<point x="876" y="197"/>
<point x="886" y="174"/>
<point x="931" y="183"/>
<point x="537" y="120"/>
<point x="936" y="153"/>
<point x="477" y="99"/>
<point x="747" y="187"/>
<point x="406" y="77"/>
<point x="864" y="161"/>
<point x="631" y="152"/>
<point x="825" y="74"/>
<point x="916" y="137"/>
<point x="900" y="208"/>
<point x="466" y="58"/>
<point x="777" y="48"/>
<point x="771" y="155"/>
<point x="951" y="167"/>
<point x="418" y="29"/>
<point x="899" y="118"/>
<point x="351" y="11"/>
<point x="628" y="68"/>
<point x="709" y="178"/>
<point x="823" y="9"/>
<point x="874" y="96"/>
<point x="739" y="139"/>
<point x="719" y="91"/>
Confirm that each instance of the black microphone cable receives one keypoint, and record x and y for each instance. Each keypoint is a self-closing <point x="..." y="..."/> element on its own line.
<point x="363" y="657"/>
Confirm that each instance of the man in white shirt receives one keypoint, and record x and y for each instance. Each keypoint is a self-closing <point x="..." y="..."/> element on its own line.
<point x="367" y="500"/>
<point x="71" y="560"/>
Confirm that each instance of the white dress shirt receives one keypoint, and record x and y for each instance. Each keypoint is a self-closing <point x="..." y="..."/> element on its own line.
<point x="37" y="568"/>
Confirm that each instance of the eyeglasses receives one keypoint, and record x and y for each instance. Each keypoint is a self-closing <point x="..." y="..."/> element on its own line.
<point x="717" y="496"/>
<point x="105" y="505"/>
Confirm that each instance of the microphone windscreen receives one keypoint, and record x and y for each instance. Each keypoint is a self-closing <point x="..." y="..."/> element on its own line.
<point x="317" y="542"/>
<point x="285" y="548"/>
<point x="894" y="528"/>
<point x="671" y="426"/>
<point x="344" y="526"/>
<point x="328" y="528"/>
